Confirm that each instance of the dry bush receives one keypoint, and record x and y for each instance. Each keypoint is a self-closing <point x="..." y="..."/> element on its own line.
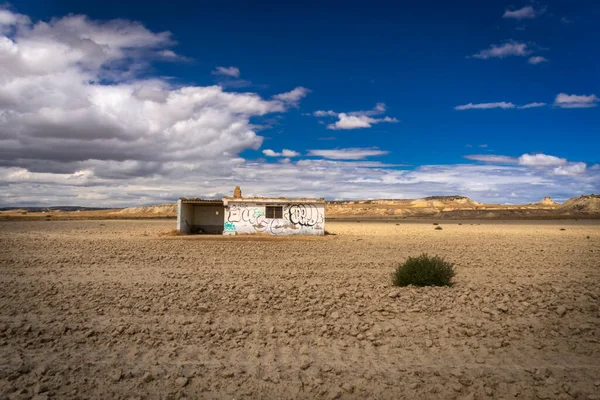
<point x="424" y="270"/>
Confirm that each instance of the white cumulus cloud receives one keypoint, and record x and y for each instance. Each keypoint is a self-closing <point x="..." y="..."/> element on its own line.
<point x="9" y="19"/>
<point x="323" y="113"/>
<point x="571" y="169"/>
<point x="293" y="96"/>
<point x="564" y="100"/>
<point x="227" y="71"/>
<point x="346" y="121"/>
<point x="512" y="48"/>
<point x="537" y="160"/>
<point x="283" y="153"/>
<point x="540" y="160"/>
<point x="72" y="100"/>
<point x="356" y="119"/>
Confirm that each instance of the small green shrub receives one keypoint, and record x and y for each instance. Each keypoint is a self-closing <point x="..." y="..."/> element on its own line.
<point x="438" y="228"/>
<point x="435" y="223"/>
<point x="424" y="270"/>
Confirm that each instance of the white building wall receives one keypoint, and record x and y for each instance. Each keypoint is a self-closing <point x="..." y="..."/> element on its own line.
<point x="185" y="215"/>
<point x="297" y="219"/>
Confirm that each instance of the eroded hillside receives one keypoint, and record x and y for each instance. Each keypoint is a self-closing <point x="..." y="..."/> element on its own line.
<point x="448" y="207"/>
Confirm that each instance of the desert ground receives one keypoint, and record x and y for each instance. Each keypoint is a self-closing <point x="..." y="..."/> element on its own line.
<point x="122" y="309"/>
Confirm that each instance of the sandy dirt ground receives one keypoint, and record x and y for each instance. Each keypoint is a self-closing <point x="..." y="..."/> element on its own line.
<point x="110" y="309"/>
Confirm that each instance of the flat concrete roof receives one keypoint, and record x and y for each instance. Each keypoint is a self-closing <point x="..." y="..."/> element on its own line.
<point x="201" y="201"/>
<point x="272" y="200"/>
<point x="284" y="200"/>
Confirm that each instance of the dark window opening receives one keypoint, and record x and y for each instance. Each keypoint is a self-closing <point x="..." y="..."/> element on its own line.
<point x="274" y="212"/>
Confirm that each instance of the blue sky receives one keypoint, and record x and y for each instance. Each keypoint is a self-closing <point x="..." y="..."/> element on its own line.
<point x="117" y="103"/>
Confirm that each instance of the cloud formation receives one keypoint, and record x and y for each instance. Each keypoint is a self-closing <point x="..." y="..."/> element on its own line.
<point x="80" y="124"/>
<point x="74" y="111"/>
<point x="512" y="48"/>
<point x="493" y="182"/>
<point x="564" y="100"/>
<point x="227" y="71"/>
<point x="532" y="105"/>
<point x="346" y="121"/>
<point x="551" y="165"/>
<point x="379" y="109"/>
<point x="348" y="154"/>
<point x="537" y="60"/>
<point x="333" y="179"/>
<point x="322" y="113"/>
<point x="527" y="12"/>
<point x="527" y="160"/>
<point x="501" y="104"/>
<point x="490" y="158"/>
<point x="283" y="153"/>
<point x="292" y="97"/>
<point x="571" y="169"/>
<point x="356" y="119"/>
<point x="485" y="106"/>
<point x="540" y="160"/>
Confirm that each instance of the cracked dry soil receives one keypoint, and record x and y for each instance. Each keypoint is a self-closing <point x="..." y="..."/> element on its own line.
<point x="112" y="309"/>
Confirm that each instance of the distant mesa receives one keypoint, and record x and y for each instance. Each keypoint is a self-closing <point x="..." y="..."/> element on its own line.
<point x="547" y="201"/>
<point x="457" y="207"/>
<point x="448" y="207"/>
<point x="446" y="203"/>
<point x="438" y="206"/>
<point x="583" y="204"/>
<point x="447" y="198"/>
<point x="162" y="209"/>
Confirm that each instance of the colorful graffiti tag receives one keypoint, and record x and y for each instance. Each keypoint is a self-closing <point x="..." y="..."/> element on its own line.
<point x="229" y="226"/>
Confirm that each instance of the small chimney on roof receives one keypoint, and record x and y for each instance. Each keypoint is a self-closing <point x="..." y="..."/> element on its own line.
<point x="237" y="193"/>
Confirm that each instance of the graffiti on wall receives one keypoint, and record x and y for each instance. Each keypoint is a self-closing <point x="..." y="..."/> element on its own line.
<point x="304" y="214"/>
<point x="243" y="213"/>
<point x="295" y="216"/>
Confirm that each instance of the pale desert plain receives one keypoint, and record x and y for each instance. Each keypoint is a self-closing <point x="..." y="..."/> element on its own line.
<point x="121" y="309"/>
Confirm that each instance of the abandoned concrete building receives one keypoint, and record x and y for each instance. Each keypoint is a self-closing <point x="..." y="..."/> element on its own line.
<point x="248" y="215"/>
